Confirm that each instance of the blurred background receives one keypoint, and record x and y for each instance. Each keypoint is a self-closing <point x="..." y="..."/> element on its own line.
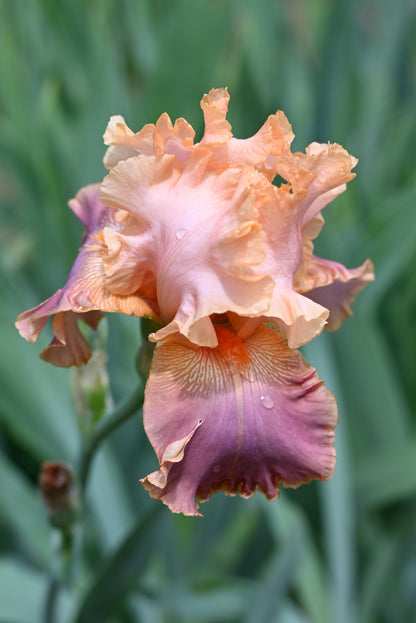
<point x="343" y="71"/>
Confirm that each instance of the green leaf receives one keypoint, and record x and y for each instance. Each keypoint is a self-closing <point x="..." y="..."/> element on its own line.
<point x="35" y="404"/>
<point x="371" y="385"/>
<point x="387" y="477"/>
<point x="280" y="571"/>
<point x="212" y="605"/>
<point x="23" y="592"/>
<point x="287" y="521"/>
<point x="377" y="576"/>
<point x="109" y="500"/>
<point x="21" y="510"/>
<point x="121" y="569"/>
<point x="336" y="495"/>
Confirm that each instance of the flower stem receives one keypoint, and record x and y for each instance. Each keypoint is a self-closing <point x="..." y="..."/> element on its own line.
<point x="50" y="602"/>
<point x="120" y="414"/>
<point x="54" y="581"/>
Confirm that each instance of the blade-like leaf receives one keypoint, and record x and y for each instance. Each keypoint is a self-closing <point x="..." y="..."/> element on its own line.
<point x="122" y="569"/>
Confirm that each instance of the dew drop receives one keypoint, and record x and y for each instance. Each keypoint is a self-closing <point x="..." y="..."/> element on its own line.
<point x="180" y="233"/>
<point x="267" y="401"/>
<point x="216" y="468"/>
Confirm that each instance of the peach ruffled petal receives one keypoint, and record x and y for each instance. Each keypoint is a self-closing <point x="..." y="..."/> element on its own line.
<point x="159" y="139"/>
<point x="241" y="416"/>
<point x="247" y="249"/>
<point x="196" y="231"/>
<point x="173" y="139"/>
<point x="215" y="107"/>
<point x="124" y="143"/>
<point x="323" y="172"/>
<point x="273" y="138"/>
<point x="296" y="318"/>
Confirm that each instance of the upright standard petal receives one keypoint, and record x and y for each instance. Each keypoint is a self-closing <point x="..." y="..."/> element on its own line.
<point x="243" y="415"/>
<point x="291" y="212"/>
<point x="297" y="318"/>
<point x="207" y="232"/>
<point x="192" y="235"/>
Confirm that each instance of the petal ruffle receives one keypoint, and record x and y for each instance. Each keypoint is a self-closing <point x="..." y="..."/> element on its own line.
<point x="273" y="138"/>
<point x="296" y="318"/>
<point x="151" y="140"/>
<point x="194" y="232"/>
<point x="124" y="143"/>
<point x="245" y="250"/>
<point x="240" y="416"/>
<point x="322" y="171"/>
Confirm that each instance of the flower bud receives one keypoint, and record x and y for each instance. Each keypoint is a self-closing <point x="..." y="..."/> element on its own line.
<point x="59" y="494"/>
<point x="91" y="385"/>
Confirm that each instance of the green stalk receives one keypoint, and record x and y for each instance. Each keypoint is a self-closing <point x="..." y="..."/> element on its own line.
<point x="121" y="413"/>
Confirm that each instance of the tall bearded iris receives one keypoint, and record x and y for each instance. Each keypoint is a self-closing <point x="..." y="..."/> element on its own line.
<point x="198" y="237"/>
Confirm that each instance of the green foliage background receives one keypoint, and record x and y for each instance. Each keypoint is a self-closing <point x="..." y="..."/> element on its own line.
<point x="342" y="70"/>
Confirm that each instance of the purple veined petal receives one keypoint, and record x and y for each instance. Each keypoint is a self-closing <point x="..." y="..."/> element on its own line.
<point x="241" y="416"/>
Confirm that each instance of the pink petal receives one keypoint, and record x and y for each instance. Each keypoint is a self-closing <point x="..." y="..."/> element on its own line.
<point x="335" y="287"/>
<point x="84" y="291"/>
<point x="194" y="231"/>
<point x="207" y="233"/>
<point x="297" y="318"/>
<point x="236" y="417"/>
<point x="68" y="347"/>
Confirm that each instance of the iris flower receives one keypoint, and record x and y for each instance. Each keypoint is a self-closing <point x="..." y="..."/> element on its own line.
<point x="197" y="237"/>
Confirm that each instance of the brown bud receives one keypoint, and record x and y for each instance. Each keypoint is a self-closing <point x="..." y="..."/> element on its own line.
<point x="58" y="491"/>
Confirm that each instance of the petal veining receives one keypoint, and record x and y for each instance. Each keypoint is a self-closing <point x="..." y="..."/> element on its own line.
<point x="236" y="428"/>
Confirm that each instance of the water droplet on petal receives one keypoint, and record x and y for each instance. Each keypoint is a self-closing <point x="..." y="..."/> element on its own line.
<point x="216" y="468"/>
<point x="267" y="401"/>
<point x="180" y="233"/>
